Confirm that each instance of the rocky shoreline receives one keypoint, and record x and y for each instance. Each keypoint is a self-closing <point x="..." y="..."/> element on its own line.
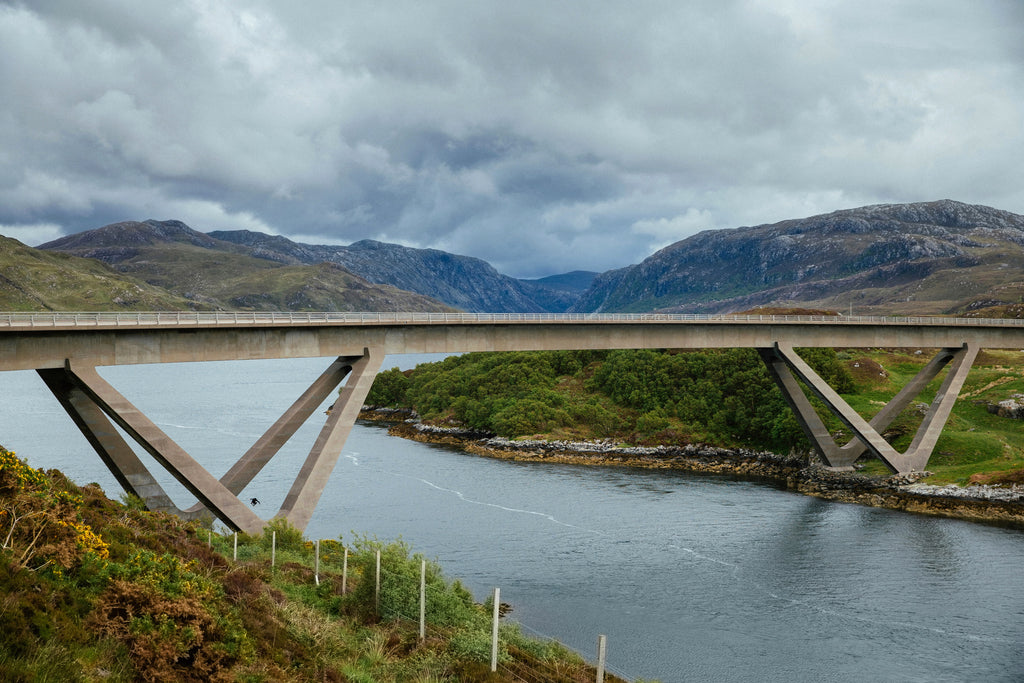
<point x="986" y="504"/>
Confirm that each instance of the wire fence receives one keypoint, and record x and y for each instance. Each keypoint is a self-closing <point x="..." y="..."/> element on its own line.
<point x="413" y="590"/>
<point x="271" y="318"/>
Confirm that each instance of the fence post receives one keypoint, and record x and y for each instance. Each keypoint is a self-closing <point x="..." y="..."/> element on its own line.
<point x="344" y="572"/>
<point x="494" y="630"/>
<point x="423" y="599"/>
<point x="235" y="553"/>
<point x="209" y="538"/>
<point x="376" y="588"/>
<point x="273" y="548"/>
<point x="316" y="567"/>
<point x="601" y="645"/>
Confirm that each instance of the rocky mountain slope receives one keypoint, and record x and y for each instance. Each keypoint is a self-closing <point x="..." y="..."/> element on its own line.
<point x="462" y="281"/>
<point x="210" y="273"/>
<point x="935" y="257"/>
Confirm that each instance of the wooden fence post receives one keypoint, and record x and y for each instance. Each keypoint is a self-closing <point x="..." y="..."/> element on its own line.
<point x="601" y="645"/>
<point x="316" y="565"/>
<point x="494" y="630"/>
<point x="344" y="572"/>
<point x="376" y="588"/>
<point x="423" y="599"/>
<point x="273" y="548"/>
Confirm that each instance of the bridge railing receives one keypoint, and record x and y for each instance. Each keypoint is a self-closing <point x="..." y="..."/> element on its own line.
<point x="274" y="318"/>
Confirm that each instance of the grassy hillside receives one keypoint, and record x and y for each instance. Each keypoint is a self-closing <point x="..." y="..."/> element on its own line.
<point x="95" y="590"/>
<point x="323" y="287"/>
<point x="165" y="265"/>
<point x="719" y="397"/>
<point x="224" y="279"/>
<point x="977" y="446"/>
<point x="34" y="280"/>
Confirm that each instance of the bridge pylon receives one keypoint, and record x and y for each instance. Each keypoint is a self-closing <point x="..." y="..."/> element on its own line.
<point x="95" y="407"/>
<point x="785" y="366"/>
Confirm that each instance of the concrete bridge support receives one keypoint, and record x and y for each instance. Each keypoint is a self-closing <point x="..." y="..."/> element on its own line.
<point x="95" y="406"/>
<point x="359" y="341"/>
<point x="785" y="366"/>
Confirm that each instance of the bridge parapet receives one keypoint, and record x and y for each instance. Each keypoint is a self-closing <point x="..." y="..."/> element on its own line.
<point x="159" y="319"/>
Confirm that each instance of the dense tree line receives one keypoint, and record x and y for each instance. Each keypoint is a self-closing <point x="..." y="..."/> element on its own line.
<point x="722" y="396"/>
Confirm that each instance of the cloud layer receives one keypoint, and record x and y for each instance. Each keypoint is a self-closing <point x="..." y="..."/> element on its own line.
<point x="542" y="137"/>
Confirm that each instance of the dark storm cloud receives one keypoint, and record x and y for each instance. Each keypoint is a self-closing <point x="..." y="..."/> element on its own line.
<point x="541" y="137"/>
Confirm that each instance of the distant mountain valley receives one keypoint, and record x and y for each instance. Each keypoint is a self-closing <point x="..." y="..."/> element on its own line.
<point x="941" y="257"/>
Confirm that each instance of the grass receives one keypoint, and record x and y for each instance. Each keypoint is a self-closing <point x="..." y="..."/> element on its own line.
<point x="97" y="590"/>
<point x="974" y="443"/>
<point x="36" y="280"/>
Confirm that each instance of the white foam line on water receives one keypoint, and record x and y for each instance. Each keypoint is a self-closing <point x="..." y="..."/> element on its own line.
<point x="461" y="496"/>
<point x="177" y="426"/>
<point x="545" y="515"/>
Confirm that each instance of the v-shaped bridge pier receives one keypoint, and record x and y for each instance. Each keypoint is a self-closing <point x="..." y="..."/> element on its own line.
<point x="95" y="406"/>
<point x="786" y="366"/>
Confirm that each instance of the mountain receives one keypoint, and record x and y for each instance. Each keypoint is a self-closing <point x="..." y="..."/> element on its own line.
<point x="468" y="283"/>
<point x="35" y="280"/>
<point x="206" y="272"/>
<point x="942" y="257"/>
<point x="924" y="258"/>
<point x="558" y="293"/>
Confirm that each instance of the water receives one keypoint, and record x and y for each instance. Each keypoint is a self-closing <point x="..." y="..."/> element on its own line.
<point x="691" y="578"/>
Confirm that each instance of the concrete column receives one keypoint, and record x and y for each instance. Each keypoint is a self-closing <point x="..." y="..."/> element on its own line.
<point x="267" y="446"/>
<point x="304" y="494"/>
<point x="193" y="476"/>
<point x="113" y="450"/>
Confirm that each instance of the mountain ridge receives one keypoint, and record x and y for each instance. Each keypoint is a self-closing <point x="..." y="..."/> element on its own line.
<point x="873" y="256"/>
<point x="939" y="257"/>
<point x="466" y="282"/>
<point x="211" y="273"/>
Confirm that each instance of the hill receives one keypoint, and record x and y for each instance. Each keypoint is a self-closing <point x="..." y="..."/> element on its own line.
<point x="214" y="273"/>
<point x="940" y="257"/>
<point x="35" y="280"/>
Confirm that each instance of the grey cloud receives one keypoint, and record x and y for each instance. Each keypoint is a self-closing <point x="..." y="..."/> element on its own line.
<point x="541" y="137"/>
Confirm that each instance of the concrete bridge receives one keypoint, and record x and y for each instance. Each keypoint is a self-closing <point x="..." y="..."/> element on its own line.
<point x="66" y="348"/>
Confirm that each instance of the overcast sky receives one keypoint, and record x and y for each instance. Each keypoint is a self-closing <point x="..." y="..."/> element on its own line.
<point x="540" y="136"/>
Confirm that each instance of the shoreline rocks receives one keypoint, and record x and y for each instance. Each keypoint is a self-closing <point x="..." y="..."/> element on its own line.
<point x="977" y="503"/>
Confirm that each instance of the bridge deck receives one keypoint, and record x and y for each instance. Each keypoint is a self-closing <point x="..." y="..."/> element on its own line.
<point x="35" y="341"/>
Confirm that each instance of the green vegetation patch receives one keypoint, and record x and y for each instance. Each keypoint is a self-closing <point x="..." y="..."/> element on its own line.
<point x="720" y="397"/>
<point x="95" y="590"/>
<point x="641" y="396"/>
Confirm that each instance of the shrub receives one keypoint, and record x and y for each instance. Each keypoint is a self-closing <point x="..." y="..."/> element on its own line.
<point x="448" y="604"/>
<point x="389" y="388"/>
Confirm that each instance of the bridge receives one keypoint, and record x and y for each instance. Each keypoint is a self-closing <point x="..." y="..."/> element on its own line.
<point x="66" y="348"/>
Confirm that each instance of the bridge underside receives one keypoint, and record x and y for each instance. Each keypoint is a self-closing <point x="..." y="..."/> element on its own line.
<point x="96" y="407"/>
